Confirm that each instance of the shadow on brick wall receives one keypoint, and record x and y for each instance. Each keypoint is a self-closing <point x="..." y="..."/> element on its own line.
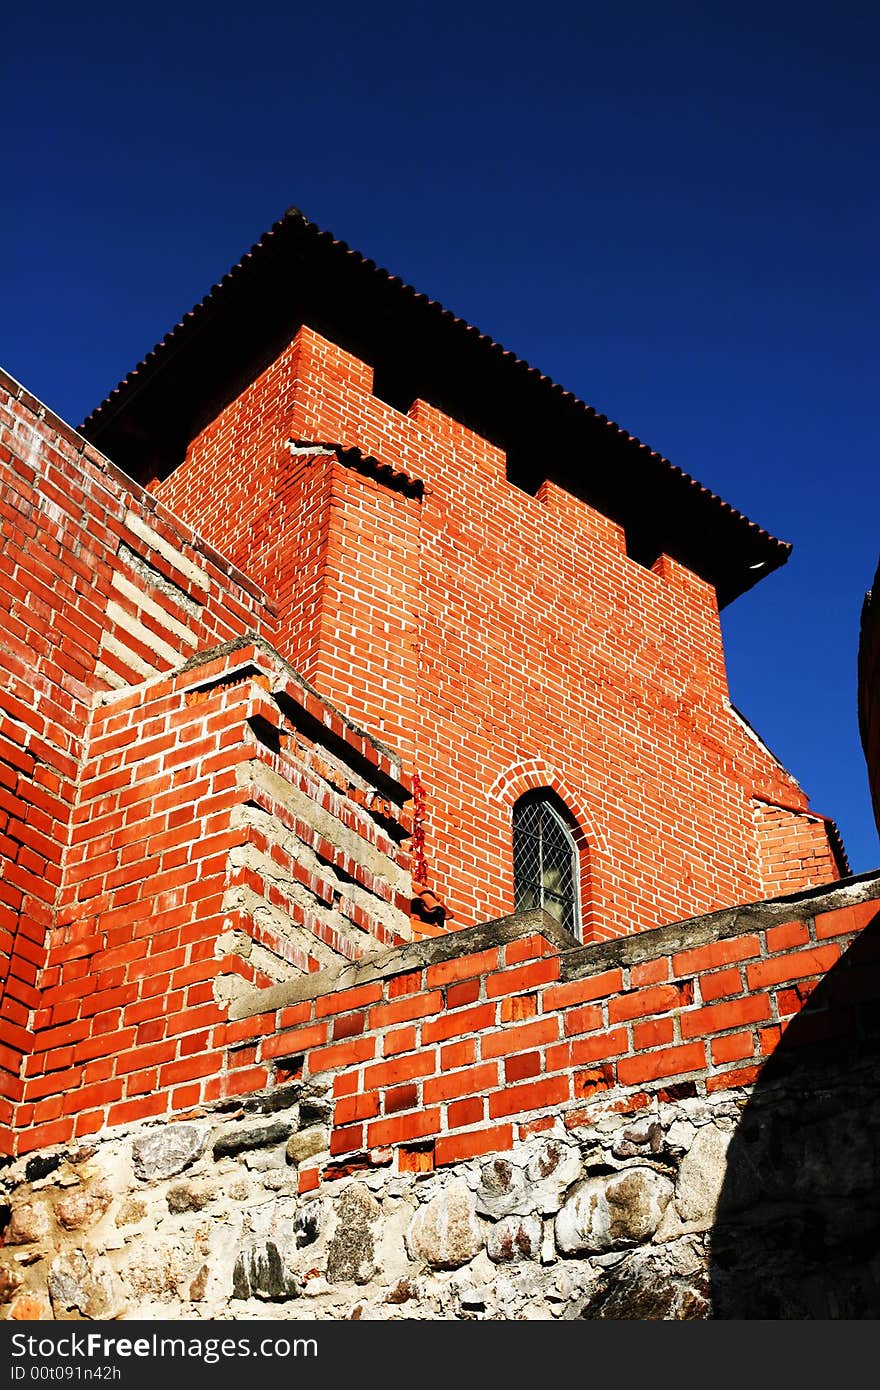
<point x="797" y="1228"/>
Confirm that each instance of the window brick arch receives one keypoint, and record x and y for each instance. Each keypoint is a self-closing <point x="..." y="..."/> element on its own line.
<point x="534" y="776"/>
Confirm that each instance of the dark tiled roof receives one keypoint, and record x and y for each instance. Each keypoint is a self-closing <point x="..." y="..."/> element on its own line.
<point x="296" y="274"/>
<point x="869" y="688"/>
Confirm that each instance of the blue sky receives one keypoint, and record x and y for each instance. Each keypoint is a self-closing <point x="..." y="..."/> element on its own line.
<point x="671" y="209"/>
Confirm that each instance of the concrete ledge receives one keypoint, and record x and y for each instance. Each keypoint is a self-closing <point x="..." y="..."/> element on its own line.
<point x="351" y="457"/>
<point x="401" y="959"/>
<point x="593" y="958"/>
<point x="577" y="960"/>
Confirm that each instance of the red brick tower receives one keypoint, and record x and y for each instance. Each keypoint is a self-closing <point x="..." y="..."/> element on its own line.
<point x="518" y="596"/>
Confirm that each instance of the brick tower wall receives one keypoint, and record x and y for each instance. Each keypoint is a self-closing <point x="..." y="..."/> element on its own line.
<point x="502" y="642"/>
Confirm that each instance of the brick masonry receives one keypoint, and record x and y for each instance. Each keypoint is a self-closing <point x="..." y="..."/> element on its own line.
<point x="497" y="665"/>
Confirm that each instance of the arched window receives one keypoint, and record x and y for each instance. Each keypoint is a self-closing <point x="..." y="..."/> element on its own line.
<point x="545" y="859"/>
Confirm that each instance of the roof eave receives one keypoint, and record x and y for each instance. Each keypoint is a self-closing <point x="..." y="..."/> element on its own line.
<point x="255" y="307"/>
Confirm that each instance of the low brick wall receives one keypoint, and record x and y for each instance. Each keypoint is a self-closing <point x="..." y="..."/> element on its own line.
<point x="457" y="1046"/>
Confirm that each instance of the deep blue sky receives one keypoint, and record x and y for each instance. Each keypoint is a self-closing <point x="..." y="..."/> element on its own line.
<point x="670" y="208"/>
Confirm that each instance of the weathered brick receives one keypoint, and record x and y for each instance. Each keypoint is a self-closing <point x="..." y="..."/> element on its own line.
<point x="523" y="977"/>
<point x="464" y="993"/>
<point x="642" y="1002"/>
<point x="719" y="984"/>
<point x="462" y="1113"/>
<point x="520" y="1039"/>
<point x="462" y="968"/>
<point x="355" y="1107"/>
<point x="398" y="1129"/>
<point x="403" y="1098"/>
<point x="344" y="1054"/>
<point x="669" y="1061"/>
<point x="553" y="1090"/>
<point x="845" y="919"/>
<point x="579" y="991"/>
<point x="733" y="1047"/>
<point x="657" y="1032"/>
<point x="522" y="1066"/>
<point x="649" y="972"/>
<point x="716" y="1018"/>
<point x="458" y="1148"/>
<point x="462" y="1023"/>
<point x="472" y="1081"/>
<point x="584" y="1020"/>
<point x="699" y="958"/>
<point x="296" y="1040"/>
<point x="787" y="935"/>
<point x="458" y="1054"/>
<point x="405" y="1009"/>
<point x="407" y="1068"/>
<point x="517" y="1007"/>
<point x="793" y="966"/>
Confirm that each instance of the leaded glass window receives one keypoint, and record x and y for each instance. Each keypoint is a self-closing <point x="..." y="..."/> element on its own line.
<point x="545" y="859"/>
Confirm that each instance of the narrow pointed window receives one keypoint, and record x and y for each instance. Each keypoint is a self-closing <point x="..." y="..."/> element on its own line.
<point x="545" y="859"/>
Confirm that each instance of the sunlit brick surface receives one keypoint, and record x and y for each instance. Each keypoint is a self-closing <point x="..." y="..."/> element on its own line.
<point x="500" y="642"/>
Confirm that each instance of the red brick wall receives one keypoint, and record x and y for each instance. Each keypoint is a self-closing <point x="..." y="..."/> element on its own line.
<point x="100" y="587"/>
<point x="156" y="835"/>
<point x="501" y="641"/>
<point x="201" y="857"/>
